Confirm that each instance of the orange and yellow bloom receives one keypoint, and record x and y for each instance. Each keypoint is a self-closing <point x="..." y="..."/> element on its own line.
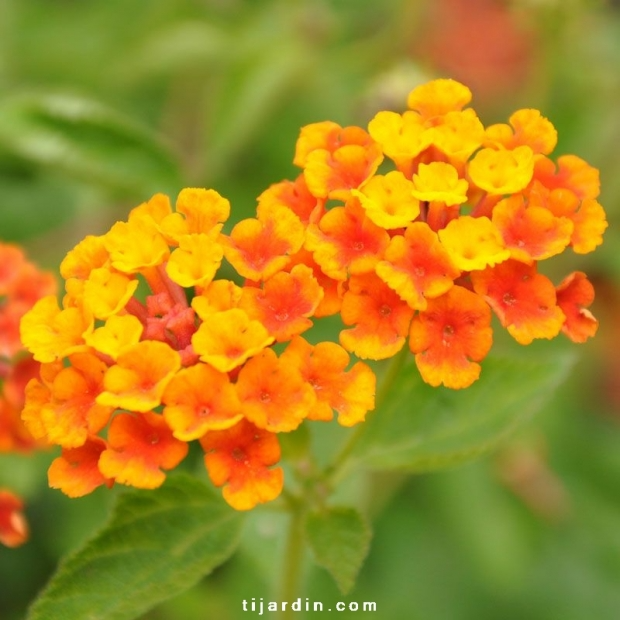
<point x="22" y="287"/>
<point x="412" y="231"/>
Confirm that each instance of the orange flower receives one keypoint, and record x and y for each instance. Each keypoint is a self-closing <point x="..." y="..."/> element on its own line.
<point x="200" y="399"/>
<point x="351" y="393"/>
<point x="449" y="231"/>
<point x="332" y="300"/>
<point x="334" y="175"/>
<point x="64" y="409"/>
<point x="531" y="232"/>
<point x="346" y="241"/>
<point x="380" y="316"/>
<point x="417" y="266"/>
<point x="524" y="300"/>
<point x="229" y="338"/>
<point x="12" y="261"/>
<point x="284" y="303"/>
<point x="76" y="472"/>
<point x="21" y="285"/>
<point x="14" y="436"/>
<point x="38" y="394"/>
<point x="241" y="458"/>
<point x="336" y="160"/>
<point x="139" y="446"/>
<point x="324" y="135"/>
<point x="590" y="224"/>
<point x="258" y="248"/>
<point x="450" y="336"/>
<point x="327" y="136"/>
<point x="13" y="526"/>
<point x="294" y="195"/>
<point x="575" y="294"/>
<point x="571" y="173"/>
<point x="273" y="394"/>
<point x="527" y="127"/>
<point x="139" y="377"/>
<point x="587" y="215"/>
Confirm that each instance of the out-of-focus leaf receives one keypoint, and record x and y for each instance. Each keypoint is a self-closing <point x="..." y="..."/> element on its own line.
<point x="30" y="204"/>
<point x="421" y="428"/>
<point x="157" y="544"/>
<point x="252" y="96"/>
<point x="339" y="539"/>
<point x="177" y="47"/>
<point x="87" y="140"/>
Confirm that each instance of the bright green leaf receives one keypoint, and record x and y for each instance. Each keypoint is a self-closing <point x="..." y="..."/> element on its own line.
<point x="86" y="140"/>
<point x="157" y="544"/>
<point x="339" y="539"/>
<point x="421" y="428"/>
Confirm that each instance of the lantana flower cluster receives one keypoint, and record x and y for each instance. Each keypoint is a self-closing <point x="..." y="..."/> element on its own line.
<point x="413" y="231"/>
<point x="22" y="284"/>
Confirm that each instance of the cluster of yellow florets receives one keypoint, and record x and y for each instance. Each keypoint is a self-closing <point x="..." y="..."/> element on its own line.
<point x="421" y="251"/>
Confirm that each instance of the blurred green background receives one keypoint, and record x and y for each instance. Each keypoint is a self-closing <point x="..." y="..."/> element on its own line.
<point x="104" y="102"/>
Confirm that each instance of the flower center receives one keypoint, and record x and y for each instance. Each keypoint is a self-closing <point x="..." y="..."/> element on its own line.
<point x="385" y="310"/>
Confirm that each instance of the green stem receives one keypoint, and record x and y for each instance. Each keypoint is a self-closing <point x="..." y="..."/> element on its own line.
<point x="338" y="467"/>
<point x="293" y="561"/>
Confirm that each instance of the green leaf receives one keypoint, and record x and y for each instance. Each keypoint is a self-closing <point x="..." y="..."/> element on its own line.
<point x="339" y="539"/>
<point x="157" y="544"/>
<point x="186" y="44"/>
<point x="421" y="428"/>
<point x="87" y="140"/>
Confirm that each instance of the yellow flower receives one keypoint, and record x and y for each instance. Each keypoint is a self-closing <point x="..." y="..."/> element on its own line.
<point x="198" y="211"/>
<point x="438" y="97"/>
<point x="50" y="333"/>
<point x="457" y="134"/>
<point x="196" y="260"/>
<point x="118" y="333"/>
<point x="502" y="171"/>
<point x="401" y="136"/>
<point x="388" y="200"/>
<point x="218" y="296"/>
<point x="107" y="292"/>
<point x="88" y="254"/>
<point x="229" y="338"/>
<point x="135" y="245"/>
<point x="439" y="181"/>
<point x="473" y="243"/>
<point x="154" y="210"/>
